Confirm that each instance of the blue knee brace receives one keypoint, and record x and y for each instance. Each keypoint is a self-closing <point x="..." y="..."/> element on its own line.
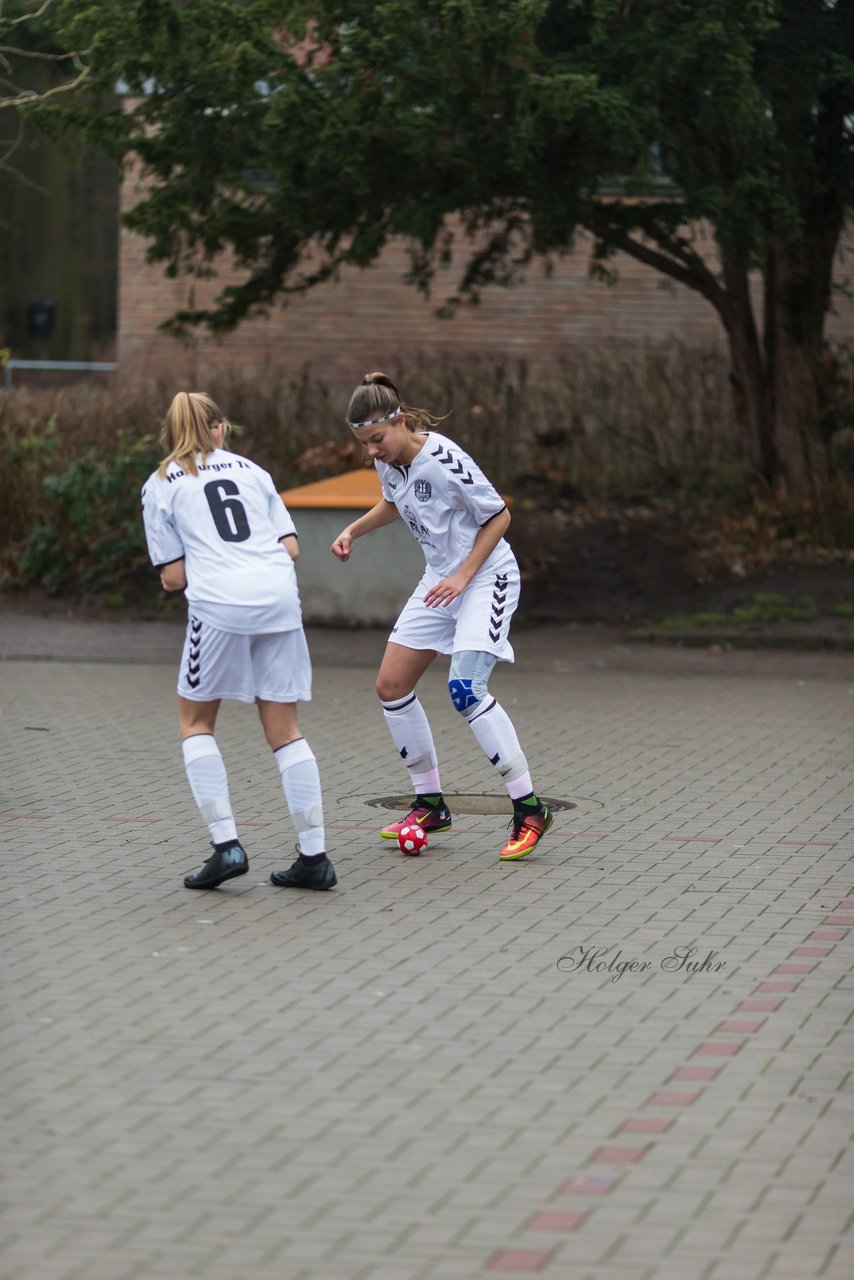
<point x="468" y="679"/>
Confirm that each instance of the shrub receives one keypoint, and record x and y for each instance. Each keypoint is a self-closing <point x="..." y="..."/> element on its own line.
<point x="614" y="429"/>
<point x="29" y="449"/>
<point x="88" y="536"/>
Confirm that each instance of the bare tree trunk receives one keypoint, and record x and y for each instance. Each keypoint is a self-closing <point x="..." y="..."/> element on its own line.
<point x="793" y="341"/>
<point x="747" y="375"/>
<point x="801" y="463"/>
<point x="776" y="379"/>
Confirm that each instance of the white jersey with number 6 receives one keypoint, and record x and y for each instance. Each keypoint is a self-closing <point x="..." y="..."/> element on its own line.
<point x="226" y="523"/>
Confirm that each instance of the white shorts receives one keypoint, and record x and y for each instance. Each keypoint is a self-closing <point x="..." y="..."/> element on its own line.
<point x="479" y="619"/>
<point x="224" y="664"/>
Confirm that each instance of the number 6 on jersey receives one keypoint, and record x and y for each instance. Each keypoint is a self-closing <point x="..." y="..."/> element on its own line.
<point x="229" y="514"/>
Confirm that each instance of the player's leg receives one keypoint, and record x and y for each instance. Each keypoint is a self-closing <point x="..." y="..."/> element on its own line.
<point x="213" y="667"/>
<point x="399" y="673"/>
<point x="489" y="722"/>
<point x="206" y="774"/>
<point x="282" y="674"/>
<point x="481" y="641"/>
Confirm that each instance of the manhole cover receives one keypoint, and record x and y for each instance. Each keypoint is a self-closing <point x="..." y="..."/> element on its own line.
<point x="467" y="803"/>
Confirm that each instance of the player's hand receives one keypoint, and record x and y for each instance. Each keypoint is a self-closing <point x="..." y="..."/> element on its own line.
<point x="343" y="545"/>
<point x="446" y="590"/>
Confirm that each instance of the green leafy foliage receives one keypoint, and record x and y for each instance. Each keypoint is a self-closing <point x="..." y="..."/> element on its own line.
<point x="705" y="140"/>
<point x="88" y="536"/>
<point x="29" y="447"/>
<point x="273" y="129"/>
<point x="771" y="607"/>
<point x="703" y="618"/>
<point x="767" y="607"/>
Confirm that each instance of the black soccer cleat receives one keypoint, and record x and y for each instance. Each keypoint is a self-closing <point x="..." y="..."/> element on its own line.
<point x="226" y="862"/>
<point x="307" y="873"/>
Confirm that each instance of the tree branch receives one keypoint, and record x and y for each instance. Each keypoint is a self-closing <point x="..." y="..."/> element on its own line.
<point x="691" y="271"/>
<point x="12" y="145"/>
<point x="11" y="23"/>
<point x="37" y="54"/>
<point x="26" y="97"/>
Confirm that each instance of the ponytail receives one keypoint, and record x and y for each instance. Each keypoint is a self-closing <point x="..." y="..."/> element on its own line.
<point x="188" y="430"/>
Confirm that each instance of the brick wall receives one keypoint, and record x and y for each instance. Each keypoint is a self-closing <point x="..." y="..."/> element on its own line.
<point x="366" y="317"/>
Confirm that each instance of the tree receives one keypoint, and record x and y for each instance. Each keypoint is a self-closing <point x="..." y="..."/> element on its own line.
<point x="58" y="203"/>
<point x="301" y="136"/>
<point x="32" y="69"/>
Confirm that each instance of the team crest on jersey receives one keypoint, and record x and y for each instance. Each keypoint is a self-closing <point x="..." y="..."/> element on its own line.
<point x="423" y="490"/>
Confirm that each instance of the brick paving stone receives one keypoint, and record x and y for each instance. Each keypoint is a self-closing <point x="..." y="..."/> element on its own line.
<point x="583" y="1186"/>
<point x="556" y="1220"/>
<point x="394" y="1081"/>
<point x="647" y="1124"/>
<point x="695" y="1073"/>
<point x="672" y="1098"/>
<point x="618" y="1155"/>
<point x="520" y="1260"/>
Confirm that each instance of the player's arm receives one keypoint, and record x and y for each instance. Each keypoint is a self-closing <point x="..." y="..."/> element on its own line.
<point x="164" y="542"/>
<point x="383" y="513"/>
<point x="281" y="517"/>
<point x="173" y="576"/>
<point x="488" y="537"/>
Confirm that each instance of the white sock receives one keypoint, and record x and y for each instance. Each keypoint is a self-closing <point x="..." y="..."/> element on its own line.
<point x="209" y="784"/>
<point x="301" y="785"/>
<point x="494" y="730"/>
<point x="410" y="729"/>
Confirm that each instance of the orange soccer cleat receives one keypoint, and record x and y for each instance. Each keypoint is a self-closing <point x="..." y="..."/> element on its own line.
<point x="430" y="818"/>
<point x="528" y="831"/>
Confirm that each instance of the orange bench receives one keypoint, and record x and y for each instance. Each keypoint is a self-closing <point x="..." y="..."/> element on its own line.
<point x="371" y="588"/>
<point x="354" y="490"/>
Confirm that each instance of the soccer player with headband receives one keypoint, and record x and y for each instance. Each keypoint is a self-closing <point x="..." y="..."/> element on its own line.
<point x="216" y="527"/>
<point x="462" y="606"/>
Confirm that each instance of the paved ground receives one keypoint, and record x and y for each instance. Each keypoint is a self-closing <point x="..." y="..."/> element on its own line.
<point x="444" y="1069"/>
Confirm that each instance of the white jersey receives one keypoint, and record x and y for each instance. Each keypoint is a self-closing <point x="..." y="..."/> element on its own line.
<point x="225" y="523"/>
<point x="445" y="499"/>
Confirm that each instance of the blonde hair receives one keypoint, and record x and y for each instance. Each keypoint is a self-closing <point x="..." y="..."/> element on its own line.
<point x="377" y="394"/>
<point x="188" y="430"/>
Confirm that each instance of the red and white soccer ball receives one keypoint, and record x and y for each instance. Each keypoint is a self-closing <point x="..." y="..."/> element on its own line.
<point x="412" y="839"/>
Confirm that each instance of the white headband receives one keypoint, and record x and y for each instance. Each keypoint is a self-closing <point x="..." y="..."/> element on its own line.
<point x="373" y="422"/>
